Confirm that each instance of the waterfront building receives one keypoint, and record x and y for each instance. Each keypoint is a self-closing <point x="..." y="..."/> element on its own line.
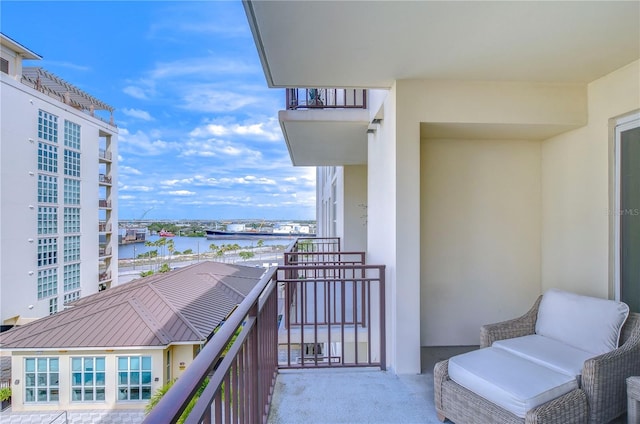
<point x="58" y="190"/>
<point x="114" y="349"/>
<point x="483" y="151"/>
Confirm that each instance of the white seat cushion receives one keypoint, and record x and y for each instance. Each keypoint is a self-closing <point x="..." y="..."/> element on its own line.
<point x="510" y="381"/>
<point x="586" y="323"/>
<point x="547" y="352"/>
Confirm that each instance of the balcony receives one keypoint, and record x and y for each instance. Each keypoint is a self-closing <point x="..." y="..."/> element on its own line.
<point x="104" y="179"/>
<point x="104" y="204"/>
<point x="104" y="251"/>
<point x="321" y="314"/>
<point x="104" y="277"/>
<point x="104" y="227"/>
<point x="326" y="126"/>
<point x="326" y="98"/>
<point x="104" y="155"/>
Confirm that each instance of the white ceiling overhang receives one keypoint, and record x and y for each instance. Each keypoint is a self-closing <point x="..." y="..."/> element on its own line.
<point x="370" y="44"/>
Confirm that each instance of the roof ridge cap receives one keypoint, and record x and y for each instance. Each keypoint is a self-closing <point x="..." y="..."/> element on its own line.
<point x="178" y="313"/>
<point x="150" y="320"/>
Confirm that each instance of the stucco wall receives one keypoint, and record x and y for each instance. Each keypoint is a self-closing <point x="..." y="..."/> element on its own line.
<point x="480" y="235"/>
<point x="576" y="189"/>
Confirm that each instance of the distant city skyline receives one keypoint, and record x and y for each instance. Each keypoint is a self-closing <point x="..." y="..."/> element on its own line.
<point x="199" y="136"/>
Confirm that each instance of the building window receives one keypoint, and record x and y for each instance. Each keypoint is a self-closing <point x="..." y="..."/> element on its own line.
<point x="4" y="65"/>
<point x="47" y="220"/>
<point x="71" y="220"/>
<point x="41" y="380"/>
<point x="134" y="377"/>
<point x="71" y="249"/>
<point x="71" y="297"/>
<point x="71" y="135"/>
<point x="87" y="379"/>
<point x="71" y="191"/>
<point x="47" y="283"/>
<point x="47" y="157"/>
<point x="47" y="189"/>
<point x="71" y="277"/>
<point x="47" y="126"/>
<point x="71" y="163"/>
<point x="53" y="305"/>
<point x="47" y="251"/>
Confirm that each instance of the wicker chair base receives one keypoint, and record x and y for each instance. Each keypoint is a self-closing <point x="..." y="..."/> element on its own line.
<point x="462" y="406"/>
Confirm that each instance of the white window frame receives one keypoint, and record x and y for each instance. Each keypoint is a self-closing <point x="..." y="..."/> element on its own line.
<point x="128" y="385"/>
<point x="623" y="124"/>
<point x="51" y="385"/>
<point x="92" y="388"/>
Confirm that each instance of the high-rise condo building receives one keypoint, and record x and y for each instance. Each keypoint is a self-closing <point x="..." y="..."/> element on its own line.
<point x="58" y="192"/>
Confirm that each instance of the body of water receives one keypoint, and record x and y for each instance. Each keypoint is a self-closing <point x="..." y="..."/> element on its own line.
<point x="197" y="244"/>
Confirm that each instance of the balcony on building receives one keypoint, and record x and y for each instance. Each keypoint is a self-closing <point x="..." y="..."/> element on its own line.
<point x="104" y="227"/>
<point x="104" y="204"/>
<point x="104" y="251"/>
<point x="104" y="156"/>
<point x="326" y="126"/>
<point x="104" y="179"/>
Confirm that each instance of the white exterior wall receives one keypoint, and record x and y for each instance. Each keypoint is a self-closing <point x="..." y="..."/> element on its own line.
<point x="576" y="171"/>
<point x="341" y="205"/>
<point x="19" y="199"/>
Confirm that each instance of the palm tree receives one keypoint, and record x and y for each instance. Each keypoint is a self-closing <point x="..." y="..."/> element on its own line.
<point x="214" y="248"/>
<point x="171" y="248"/>
<point x="260" y="244"/>
<point x="149" y="243"/>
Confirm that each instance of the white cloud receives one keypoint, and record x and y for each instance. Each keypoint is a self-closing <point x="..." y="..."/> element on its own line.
<point x="203" y="98"/>
<point x="172" y="183"/>
<point x="135" y="92"/>
<point x="140" y="143"/>
<point x="129" y="170"/>
<point x="199" y="66"/>
<point x="137" y="113"/>
<point x="269" y="129"/>
<point x="183" y="193"/>
<point x="136" y="188"/>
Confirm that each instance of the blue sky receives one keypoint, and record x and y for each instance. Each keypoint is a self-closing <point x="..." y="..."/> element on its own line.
<point x="198" y="131"/>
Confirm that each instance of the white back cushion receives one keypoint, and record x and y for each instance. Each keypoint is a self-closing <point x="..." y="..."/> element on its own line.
<point x="584" y="322"/>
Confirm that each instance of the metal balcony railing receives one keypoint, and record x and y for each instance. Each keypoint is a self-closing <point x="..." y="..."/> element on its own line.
<point x="103" y="203"/>
<point x="103" y="154"/>
<point x="326" y="98"/>
<point x="104" y="251"/>
<point x="104" y="179"/>
<point x="103" y="227"/>
<point x="318" y="313"/>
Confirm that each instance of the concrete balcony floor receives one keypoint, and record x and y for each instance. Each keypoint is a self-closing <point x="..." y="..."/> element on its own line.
<point x="358" y="395"/>
<point x="362" y="395"/>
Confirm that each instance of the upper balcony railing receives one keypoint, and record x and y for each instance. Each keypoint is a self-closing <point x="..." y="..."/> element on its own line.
<point x="317" y="311"/>
<point x="104" y="179"/>
<point x="104" y="204"/>
<point x="326" y="98"/>
<point x="104" y="154"/>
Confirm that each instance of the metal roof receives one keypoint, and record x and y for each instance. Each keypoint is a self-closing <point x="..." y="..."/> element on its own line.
<point x="184" y="305"/>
